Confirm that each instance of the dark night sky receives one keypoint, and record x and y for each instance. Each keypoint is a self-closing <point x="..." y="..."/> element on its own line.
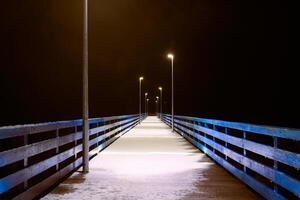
<point x="231" y="59"/>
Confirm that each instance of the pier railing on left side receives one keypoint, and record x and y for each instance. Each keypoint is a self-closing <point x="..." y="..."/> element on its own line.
<point x="35" y="157"/>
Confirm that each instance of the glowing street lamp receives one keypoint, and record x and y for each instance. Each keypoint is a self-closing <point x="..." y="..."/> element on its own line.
<point x="140" y="97"/>
<point x="160" y="90"/>
<point x="171" y="56"/>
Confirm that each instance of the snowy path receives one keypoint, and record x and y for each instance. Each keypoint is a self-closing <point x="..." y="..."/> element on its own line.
<point x="151" y="163"/>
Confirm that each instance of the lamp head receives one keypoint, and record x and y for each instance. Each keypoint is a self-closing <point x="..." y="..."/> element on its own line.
<point x="141" y="78"/>
<point x="171" y="56"/>
<point x="160" y="88"/>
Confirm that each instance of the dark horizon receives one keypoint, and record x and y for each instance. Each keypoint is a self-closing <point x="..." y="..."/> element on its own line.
<point x="231" y="59"/>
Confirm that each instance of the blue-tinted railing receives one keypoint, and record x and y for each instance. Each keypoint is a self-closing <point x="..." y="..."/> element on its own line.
<point x="266" y="158"/>
<point x="35" y="157"/>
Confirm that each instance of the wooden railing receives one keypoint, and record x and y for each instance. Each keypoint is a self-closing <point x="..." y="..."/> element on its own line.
<point x="265" y="158"/>
<point x="35" y="157"/>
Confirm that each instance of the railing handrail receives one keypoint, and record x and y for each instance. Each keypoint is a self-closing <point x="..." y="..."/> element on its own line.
<point x="18" y="130"/>
<point x="282" y="132"/>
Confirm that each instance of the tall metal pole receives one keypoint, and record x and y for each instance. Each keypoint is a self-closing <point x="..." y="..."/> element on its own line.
<point x="85" y="116"/>
<point x="147" y="108"/>
<point x="161" y="100"/>
<point x="172" y="96"/>
<point x="146" y="94"/>
<point x="140" y="96"/>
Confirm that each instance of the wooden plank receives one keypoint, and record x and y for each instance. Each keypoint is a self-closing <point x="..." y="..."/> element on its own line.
<point x="41" y="187"/>
<point x="19" y="130"/>
<point x="16" y="154"/>
<point x="20" y="176"/>
<point x="293" y="134"/>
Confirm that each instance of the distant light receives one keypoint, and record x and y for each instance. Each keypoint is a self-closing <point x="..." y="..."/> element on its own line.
<point x="141" y="78"/>
<point x="157" y="97"/>
<point x="160" y="88"/>
<point x="147" y="99"/>
<point x="171" y="56"/>
<point x="146" y="93"/>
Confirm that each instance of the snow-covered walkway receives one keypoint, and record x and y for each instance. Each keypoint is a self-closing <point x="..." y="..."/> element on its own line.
<point x="151" y="163"/>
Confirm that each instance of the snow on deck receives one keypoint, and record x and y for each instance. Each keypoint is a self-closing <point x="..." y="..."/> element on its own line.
<point x="151" y="163"/>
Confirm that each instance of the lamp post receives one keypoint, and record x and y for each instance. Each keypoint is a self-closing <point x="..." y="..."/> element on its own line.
<point x="156" y="107"/>
<point x="85" y="102"/>
<point x="140" y="96"/>
<point x="146" y="94"/>
<point x="156" y="101"/>
<point x="171" y="56"/>
<point x="160" y="90"/>
<point x="147" y="107"/>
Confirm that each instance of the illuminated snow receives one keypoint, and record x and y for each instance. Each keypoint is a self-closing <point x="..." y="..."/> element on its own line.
<point x="149" y="162"/>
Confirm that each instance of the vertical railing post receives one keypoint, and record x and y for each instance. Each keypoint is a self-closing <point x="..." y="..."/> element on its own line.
<point x="214" y="139"/>
<point x="57" y="148"/>
<point x="244" y="150"/>
<point x="26" y="159"/>
<point x="275" y="164"/>
<point x="75" y="145"/>
<point x="205" y="125"/>
<point x="226" y="144"/>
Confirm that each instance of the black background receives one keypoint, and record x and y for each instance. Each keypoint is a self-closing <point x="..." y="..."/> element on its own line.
<point x="231" y="59"/>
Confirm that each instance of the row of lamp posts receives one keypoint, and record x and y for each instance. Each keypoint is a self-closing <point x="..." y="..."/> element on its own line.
<point x="160" y="100"/>
<point x="85" y="110"/>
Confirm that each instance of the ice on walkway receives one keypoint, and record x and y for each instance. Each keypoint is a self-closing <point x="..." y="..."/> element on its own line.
<point x="150" y="163"/>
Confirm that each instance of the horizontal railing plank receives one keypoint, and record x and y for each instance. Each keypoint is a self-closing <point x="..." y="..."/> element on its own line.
<point x="42" y="186"/>
<point x="286" y="133"/>
<point x="19" y="130"/>
<point x="20" y="176"/>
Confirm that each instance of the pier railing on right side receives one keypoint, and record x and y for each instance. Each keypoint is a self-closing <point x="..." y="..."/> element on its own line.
<point x="265" y="158"/>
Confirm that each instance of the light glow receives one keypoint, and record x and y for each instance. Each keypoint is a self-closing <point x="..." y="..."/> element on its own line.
<point x="141" y="78"/>
<point x="171" y="56"/>
<point x="160" y="88"/>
